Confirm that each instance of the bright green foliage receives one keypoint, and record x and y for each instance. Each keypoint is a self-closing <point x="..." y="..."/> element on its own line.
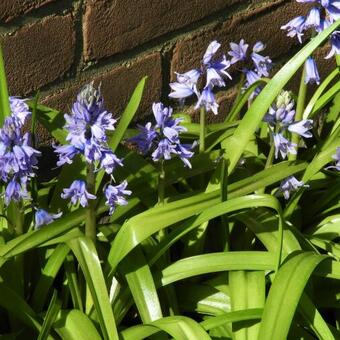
<point x="224" y="257"/>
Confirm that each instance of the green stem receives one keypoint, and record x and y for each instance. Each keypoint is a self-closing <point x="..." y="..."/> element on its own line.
<point x="300" y="107"/>
<point x="224" y="197"/>
<point x="161" y="183"/>
<point x="269" y="161"/>
<point x="90" y="222"/>
<point x="202" y="130"/>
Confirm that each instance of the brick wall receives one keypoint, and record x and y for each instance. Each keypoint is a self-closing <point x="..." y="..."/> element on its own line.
<point x="59" y="45"/>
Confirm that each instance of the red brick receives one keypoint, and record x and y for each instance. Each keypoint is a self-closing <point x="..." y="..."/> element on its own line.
<point x="260" y="24"/>
<point x="117" y="86"/>
<point x="115" y="26"/>
<point x="39" y="53"/>
<point x="10" y="9"/>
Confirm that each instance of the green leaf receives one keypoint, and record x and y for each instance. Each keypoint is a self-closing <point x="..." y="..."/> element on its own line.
<point x="85" y="252"/>
<point x="48" y="274"/>
<point x="179" y="327"/>
<point x="75" y="325"/>
<point x="5" y="110"/>
<point x="140" y="281"/>
<point x="52" y="312"/>
<point x="285" y="293"/>
<point x="217" y="262"/>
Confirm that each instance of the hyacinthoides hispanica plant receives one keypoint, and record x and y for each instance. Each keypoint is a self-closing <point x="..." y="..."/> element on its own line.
<point x="264" y="185"/>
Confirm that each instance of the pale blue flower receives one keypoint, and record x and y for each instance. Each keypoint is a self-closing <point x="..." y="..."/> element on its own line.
<point x="302" y="128"/>
<point x="115" y="195"/>
<point x="77" y="193"/>
<point x="283" y="146"/>
<point x="42" y="217"/>
<point x="290" y="185"/>
<point x="312" y="73"/>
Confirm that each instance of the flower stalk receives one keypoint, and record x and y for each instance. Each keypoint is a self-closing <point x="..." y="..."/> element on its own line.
<point x="202" y="130"/>
<point x="90" y="223"/>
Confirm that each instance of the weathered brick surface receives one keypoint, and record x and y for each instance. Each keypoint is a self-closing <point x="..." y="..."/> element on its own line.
<point x="39" y="53"/>
<point x="117" y="86"/>
<point x="115" y="26"/>
<point x="261" y="24"/>
<point x="10" y="9"/>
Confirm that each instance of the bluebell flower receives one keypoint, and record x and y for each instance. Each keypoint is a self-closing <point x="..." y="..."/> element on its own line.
<point x="313" y="19"/>
<point x="207" y="99"/>
<point x="282" y="112"/>
<point x="115" y="195"/>
<point x="16" y="190"/>
<point x="109" y="161"/>
<point x="295" y="27"/>
<point x="283" y="146"/>
<point x="18" y="159"/>
<point x="302" y="128"/>
<point x="77" y="193"/>
<point x="335" y="43"/>
<point x="42" y="217"/>
<point x="162" y="139"/>
<point x="319" y="18"/>
<point x="336" y="158"/>
<point x="290" y="185"/>
<point x="251" y="78"/>
<point x="238" y="51"/>
<point x="312" y="73"/>
<point x="262" y="64"/>
<point x="87" y="128"/>
<point x="214" y="70"/>
<point x="145" y="138"/>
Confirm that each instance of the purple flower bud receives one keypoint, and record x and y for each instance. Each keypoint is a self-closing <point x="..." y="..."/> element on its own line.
<point x="238" y="51"/>
<point x="312" y="74"/>
<point x="289" y="185"/>
<point x="42" y="217"/>
<point x="302" y="128"/>
<point x="283" y="146"/>
<point x="259" y="47"/>
<point x="77" y="193"/>
<point x="207" y="100"/>
<point x="115" y="195"/>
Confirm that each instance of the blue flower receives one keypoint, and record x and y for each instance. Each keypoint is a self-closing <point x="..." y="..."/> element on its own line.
<point x="238" y="51"/>
<point x="313" y="19"/>
<point x="312" y="74"/>
<point x="282" y="112"/>
<point x="18" y="159"/>
<point x="42" y="217"/>
<point x="87" y="128"/>
<point x="295" y="27"/>
<point x="302" y="128"/>
<point x="77" y="193"/>
<point x="207" y="99"/>
<point x="115" y="195"/>
<point x="16" y="190"/>
<point x="335" y="43"/>
<point x="162" y="139"/>
<point x="215" y="71"/>
<point x="109" y="161"/>
<point x="283" y="146"/>
<point x="336" y="157"/>
<point x="289" y="185"/>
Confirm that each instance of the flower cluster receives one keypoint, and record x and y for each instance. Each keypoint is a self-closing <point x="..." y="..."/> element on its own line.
<point x="281" y="119"/>
<point x="213" y="70"/>
<point x="162" y="139"/>
<point x="318" y="19"/>
<point x="261" y="64"/>
<point x="18" y="159"/>
<point x="87" y="128"/>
